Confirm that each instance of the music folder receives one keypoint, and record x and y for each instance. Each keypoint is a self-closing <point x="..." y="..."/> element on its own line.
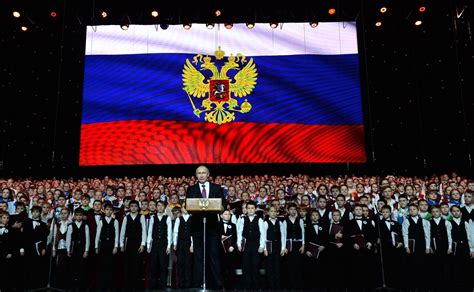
<point x="289" y="245"/>
<point x="359" y="239"/>
<point x="336" y="228"/>
<point x="313" y="248"/>
<point x="396" y="238"/>
<point x="244" y="241"/>
<point x="226" y="242"/>
<point x="269" y="246"/>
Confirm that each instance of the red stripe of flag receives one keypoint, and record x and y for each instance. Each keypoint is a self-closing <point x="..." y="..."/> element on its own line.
<point x="171" y="142"/>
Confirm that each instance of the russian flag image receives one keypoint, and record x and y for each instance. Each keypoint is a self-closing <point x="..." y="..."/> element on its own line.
<point x="305" y="105"/>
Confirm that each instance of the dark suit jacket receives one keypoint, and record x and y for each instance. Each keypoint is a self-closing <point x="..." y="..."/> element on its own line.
<point x="230" y="231"/>
<point x="212" y="222"/>
<point x="368" y="230"/>
<point x="322" y="238"/>
<point x="35" y="235"/>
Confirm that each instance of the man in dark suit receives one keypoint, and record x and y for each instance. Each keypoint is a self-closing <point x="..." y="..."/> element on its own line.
<point x="204" y="189"/>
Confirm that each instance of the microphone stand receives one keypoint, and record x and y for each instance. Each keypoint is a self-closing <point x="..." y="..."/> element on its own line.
<point x="204" y="255"/>
<point x="48" y="285"/>
<point x="384" y="285"/>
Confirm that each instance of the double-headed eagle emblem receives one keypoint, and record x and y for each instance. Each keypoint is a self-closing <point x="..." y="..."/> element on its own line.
<point x="219" y="91"/>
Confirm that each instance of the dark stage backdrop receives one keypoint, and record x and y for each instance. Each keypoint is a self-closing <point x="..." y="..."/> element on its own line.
<point x="416" y="84"/>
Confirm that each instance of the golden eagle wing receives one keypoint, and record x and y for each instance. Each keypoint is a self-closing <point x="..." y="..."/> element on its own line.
<point x="245" y="80"/>
<point x="193" y="81"/>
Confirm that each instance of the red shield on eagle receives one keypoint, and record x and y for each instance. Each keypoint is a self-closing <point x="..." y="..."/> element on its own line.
<point x="219" y="90"/>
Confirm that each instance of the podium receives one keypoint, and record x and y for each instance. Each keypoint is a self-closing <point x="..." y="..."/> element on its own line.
<point x="199" y="205"/>
<point x="203" y="206"/>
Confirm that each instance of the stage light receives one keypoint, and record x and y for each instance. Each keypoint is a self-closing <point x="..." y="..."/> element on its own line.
<point x="418" y="22"/>
<point x="378" y="23"/>
<point x="210" y="25"/>
<point x="24" y="28"/>
<point x="154" y="13"/>
<point x="53" y="14"/>
<point x="250" y="25"/>
<point x="164" y="26"/>
<point x="218" y="13"/>
<point x="16" y="14"/>
<point x="383" y="9"/>
<point x="228" y="25"/>
<point x="273" y="25"/>
<point x="332" y="11"/>
<point x="103" y="14"/>
<point x="313" y="24"/>
<point x="422" y="9"/>
<point x="124" y="26"/>
<point x="187" y="26"/>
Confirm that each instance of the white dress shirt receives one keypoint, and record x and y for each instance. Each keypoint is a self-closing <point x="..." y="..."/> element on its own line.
<point x="359" y="222"/>
<point x="169" y="232"/>
<point x="176" y="229"/>
<point x="469" y="230"/>
<point x="63" y="228"/>
<point x="282" y="232"/>
<point x="69" y="235"/>
<point x="240" y="229"/>
<point x="292" y="220"/>
<point x="448" y="229"/>
<point x="470" y="234"/>
<point x="206" y="186"/>
<point x="124" y="229"/>
<point x="99" y="230"/>
<point x="426" y="229"/>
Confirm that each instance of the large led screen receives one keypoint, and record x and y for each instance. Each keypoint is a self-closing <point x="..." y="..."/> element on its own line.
<point x="261" y="95"/>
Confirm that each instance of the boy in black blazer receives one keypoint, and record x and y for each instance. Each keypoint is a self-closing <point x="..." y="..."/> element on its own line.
<point x="229" y="245"/>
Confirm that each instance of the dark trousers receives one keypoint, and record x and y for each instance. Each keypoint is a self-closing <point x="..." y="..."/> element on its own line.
<point x="78" y="270"/>
<point x="133" y="261"/>
<point x="440" y="265"/>
<point x="314" y="267"/>
<point x="338" y="261"/>
<point x="184" y="264"/>
<point x="363" y="260"/>
<point x="461" y="273"/>
<point x="105" y="273"/>
<point x="229" y="260"/>
<point x="158" y="265"/>
<point x="392" y="265"/>
<point x="213" y="260"/>
<point x="35" y="276"/>
<point x="272" y="268"/>
<point x="251" y="265"/>
<point x="294" y="268"/>
<point x="415" y="263"/>
<point x="61" y="269"/>
<point x="92" y="269"/>
<point x="5" y="273"/>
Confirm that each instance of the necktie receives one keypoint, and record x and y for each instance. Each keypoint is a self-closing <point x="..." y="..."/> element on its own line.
<point x="203" y="192"/>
